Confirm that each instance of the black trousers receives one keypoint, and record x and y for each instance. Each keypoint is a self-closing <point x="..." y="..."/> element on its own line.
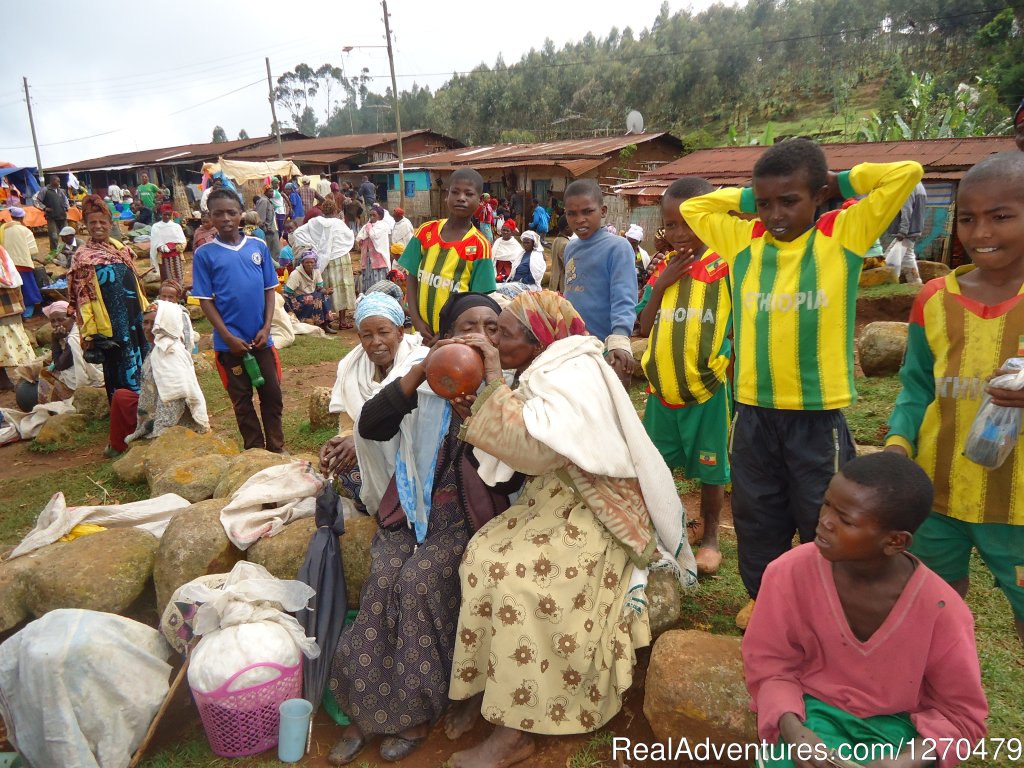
<point x="782" y="462"/>
<point x="240" y="390"/>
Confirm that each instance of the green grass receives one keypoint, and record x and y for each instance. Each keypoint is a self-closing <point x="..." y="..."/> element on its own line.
<point x="868" y="417"/>
<point x="195" y="753"/>
<point x="593" y="753"/>
<point x="78" y="439"/>
<point x="881" y="291"/>
<point x="310" y="350"/>
<point x="24" y="498"/>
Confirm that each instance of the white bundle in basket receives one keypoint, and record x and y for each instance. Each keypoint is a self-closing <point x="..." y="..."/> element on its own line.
<point x="244" y="623"/>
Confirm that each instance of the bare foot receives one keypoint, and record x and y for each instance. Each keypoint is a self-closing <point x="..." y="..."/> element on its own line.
<point x="462" y="716"/>
<point x="504" y="747"/>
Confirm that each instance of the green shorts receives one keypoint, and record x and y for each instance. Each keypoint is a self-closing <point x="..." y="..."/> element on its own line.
<point x="694" y="438"/>
<point x="944" y="544"/>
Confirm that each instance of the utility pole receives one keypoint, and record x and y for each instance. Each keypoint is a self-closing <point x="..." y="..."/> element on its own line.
<point x="273" y="111"/>
<point x="32" y="125"/>
<point x="351" y="123"/>
<point x="398" y="116"/>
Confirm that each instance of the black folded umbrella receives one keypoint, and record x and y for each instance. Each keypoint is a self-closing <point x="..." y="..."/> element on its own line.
<point x="322" y="570"/>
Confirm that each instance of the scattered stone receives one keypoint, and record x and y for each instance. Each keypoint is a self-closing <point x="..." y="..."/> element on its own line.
<point x="931" y="269"/>
<point x="319" y="416"/>
<point x="202" y="363"/>
<point x="881" y="347"/>
<point x="639" y="346"/>
<point x="179" y="442"/>
<point x="695" y="687"/>
<point x="44" y="335"/>
<point x="195" y="312"/>
<point x="243" y="466"/>
<point x="867" y="450"/>
<point x="131" y="467"/>
<point x="194" y="479"/>
<point x="60" y="431"/>
<point x="193" y="545"/>
<point x="663" y="605"/>
<point x="284" y="553"/>
<point x="878" y="276"/>
<point x="105" y="571"/>
<point x="92" y="403"/>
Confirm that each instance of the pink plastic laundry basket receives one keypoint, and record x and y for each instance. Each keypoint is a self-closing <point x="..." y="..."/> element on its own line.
<point x="246" y="721"/>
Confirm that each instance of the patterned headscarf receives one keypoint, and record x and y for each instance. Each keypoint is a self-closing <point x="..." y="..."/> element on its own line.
<point x="547" y="315"/>
<point x="376" y="304"/>
<point x="94" y="204"/>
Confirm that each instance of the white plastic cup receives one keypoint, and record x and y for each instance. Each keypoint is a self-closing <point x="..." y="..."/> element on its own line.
<point x="295" y="722"/>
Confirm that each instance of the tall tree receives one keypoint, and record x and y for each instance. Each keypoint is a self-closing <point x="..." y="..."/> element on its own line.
<point x="243" y="134"/>
<point x="219" y="135"/>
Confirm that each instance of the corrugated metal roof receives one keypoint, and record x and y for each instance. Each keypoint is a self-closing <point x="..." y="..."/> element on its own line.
<point x="186" y="153"/>
<point x="941" y="158"/>
<point x="338" y="147"/>
<point x="521" y="154"/>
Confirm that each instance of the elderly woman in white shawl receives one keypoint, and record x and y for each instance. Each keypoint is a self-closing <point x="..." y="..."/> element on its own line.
<point x="374" y="245"/>
<point x="505" y="250"/>
<point x="528" y="267"/>
<point x="553" y="605"/>
<point x="331" y="238"/>
<point x="383" y="344"/>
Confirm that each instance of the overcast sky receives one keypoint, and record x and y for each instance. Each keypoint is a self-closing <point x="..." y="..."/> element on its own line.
<point x="110" y="77"/>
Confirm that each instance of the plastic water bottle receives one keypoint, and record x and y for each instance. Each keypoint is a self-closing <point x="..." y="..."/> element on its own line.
<point x="253" y="369"/>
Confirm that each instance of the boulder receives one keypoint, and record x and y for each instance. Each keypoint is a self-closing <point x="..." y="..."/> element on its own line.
<point x="355" y="554"/>
<point x="662" y="601"/>
<point x="639" y="346"/>
<point x="878" y="276"/>
<point x="105" y="571"/>
<point x="194" y="479"/>
<point x="931" y="269"/>
<point x="881" y="346"/>
<point x="243" y="466"/>
<point x="202" y="363"/>
<point x="180" y="442"/>
<point x="13" y="610"/>
<point x="131" y="467"/>
<point x="92" y="403"/>
<point x="284" y="553"/>
<point x="44" y="335"/>
<point x="695" y="687"/>
<point x="193" y="545"/>
<point x="195" y="312"/>
<point x="319" y="416"/>
<point x="61" y="430"/>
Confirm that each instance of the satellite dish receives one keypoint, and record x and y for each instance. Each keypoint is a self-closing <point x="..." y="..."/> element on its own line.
<point x="634" y="122"/>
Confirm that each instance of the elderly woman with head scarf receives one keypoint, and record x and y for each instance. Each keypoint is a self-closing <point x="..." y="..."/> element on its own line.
<point x="373" y="245"/>
<point x="505" y="250"/>
<point x="383" y="344"/>
<point x="393" y="664"/>
<point x="108" y="301"/>
<point x="15" y="345"/>
<point x="528" y="267"/>
<point x="332" y="240"/>
<point x="166" y="244"/>
<point x="170" y="394"/>
<point x="66" y="370"/>
<point x="305" y="294"/>
<point x="553" y="604"/>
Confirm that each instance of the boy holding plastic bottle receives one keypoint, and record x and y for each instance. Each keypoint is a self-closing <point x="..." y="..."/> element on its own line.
<point x="963" y="327"/>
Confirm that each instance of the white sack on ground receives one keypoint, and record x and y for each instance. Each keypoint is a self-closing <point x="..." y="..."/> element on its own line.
<point x="269" y="500"/>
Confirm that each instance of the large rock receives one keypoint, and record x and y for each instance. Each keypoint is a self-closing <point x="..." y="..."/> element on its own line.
<point x="92" y="403"/>
<point x="243" y="466"/>
<point x="638" y="346"/>
<point x="193" y="545"/>
<point x="284" y="553"/>
<point x="105" y="571"/>
<point x="13" y="610"/>
<point x="662" y="601"/>
<point x="195" y="312"/>
<point x="180" y="442"/>
<point x="355" y="554"/>
<point x="44" y="335"/>
<point x="131" y="467"/>
<point x="61" y="430"/>
<point x="931" y="269"/>
<point x="695" y="687"/>
<point x="319" y="416"/>
<point x="202" y="363"/>
<point x="881" y="347"/>
<point x="879" y="276"/>
<point x="194" y="479"/>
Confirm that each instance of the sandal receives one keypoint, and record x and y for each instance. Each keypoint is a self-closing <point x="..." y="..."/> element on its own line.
<point x="395" y="748"/>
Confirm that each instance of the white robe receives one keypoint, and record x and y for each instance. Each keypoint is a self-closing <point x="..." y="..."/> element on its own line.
<point x="164" y="234"/>
<point x="402" y="233"/>
<point x="330" y="237"/>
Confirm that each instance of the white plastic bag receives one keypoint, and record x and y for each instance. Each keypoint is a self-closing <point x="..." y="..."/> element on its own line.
<point x="221" y="654"/>
<point x="995" y="429"/>
<point x="895" y="254"/>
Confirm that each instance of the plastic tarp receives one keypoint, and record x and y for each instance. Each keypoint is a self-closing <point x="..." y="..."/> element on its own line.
<point x="25" y="179"/>
<point x="78" y="689"/>
<point x="242" y="170"/>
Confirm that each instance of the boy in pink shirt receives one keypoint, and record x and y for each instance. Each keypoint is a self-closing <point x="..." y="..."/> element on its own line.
<point x="877" y="664"/>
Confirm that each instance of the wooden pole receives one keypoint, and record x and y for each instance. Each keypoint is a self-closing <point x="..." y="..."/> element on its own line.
<point x="273" y="111"/>
<point x="32" y="126"/>
<point x="137" y="757"/>
<point x="398" y="115"/>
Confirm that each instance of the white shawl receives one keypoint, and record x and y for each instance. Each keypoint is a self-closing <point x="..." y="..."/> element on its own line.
<point x="537" y="267"/>
<point x="353" y="386"/>
<point x="402" y="233"/>
<point x="576" y="405"/>
<point x="173" y="369"/>
<point x="330" y="237"/>
<point x="506" y="250"/>
<point x="377" y="233"/>
<point x="164" y="234"/>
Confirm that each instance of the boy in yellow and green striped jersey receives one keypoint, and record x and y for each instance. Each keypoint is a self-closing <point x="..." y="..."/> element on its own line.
<point x="794" y="286"/>
<point x="447" y="256"/>
<point x="962" y="328"/>
<point x="688" y="317"/>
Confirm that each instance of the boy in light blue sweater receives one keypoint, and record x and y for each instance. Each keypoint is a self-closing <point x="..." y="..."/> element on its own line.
<point x="600" y="275"/>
